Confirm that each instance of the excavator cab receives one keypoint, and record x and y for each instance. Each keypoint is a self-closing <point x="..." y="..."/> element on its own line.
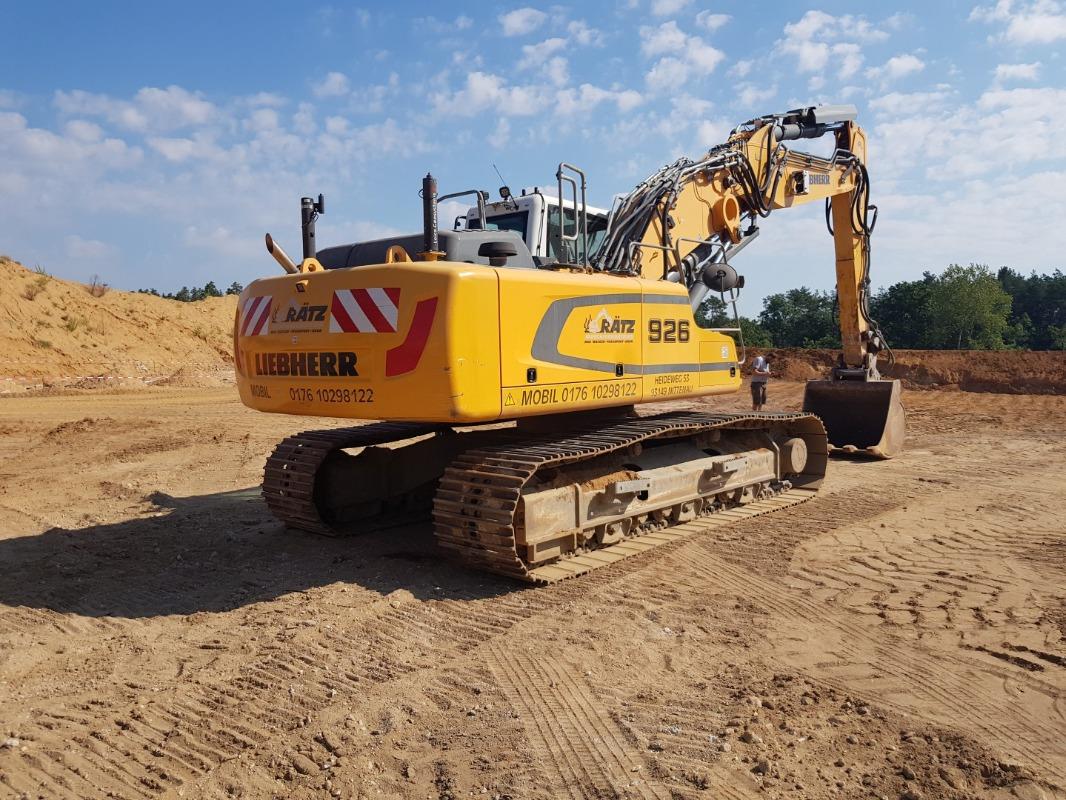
<point x="860" y="416"/>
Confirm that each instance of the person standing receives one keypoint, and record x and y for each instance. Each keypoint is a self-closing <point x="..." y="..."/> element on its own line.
<point x="760" y="376"/>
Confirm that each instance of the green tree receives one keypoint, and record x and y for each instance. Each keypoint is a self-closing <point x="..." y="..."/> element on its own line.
<point x="970" y="308"/>
<point x="1038" y="307"/>
<point x="801" y="318"/>
<point x="716" y="313"/>
<point x="235" y="288"/>
<point x="210" y="290"/>
<point x="904" y="312"/>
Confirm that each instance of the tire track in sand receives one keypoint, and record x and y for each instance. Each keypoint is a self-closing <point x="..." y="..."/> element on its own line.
<point x="182" y="732"/>
<point x="567" y="728"/>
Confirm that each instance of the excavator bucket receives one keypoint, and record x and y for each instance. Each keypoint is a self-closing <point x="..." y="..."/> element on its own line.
<point x="859" y="415"/>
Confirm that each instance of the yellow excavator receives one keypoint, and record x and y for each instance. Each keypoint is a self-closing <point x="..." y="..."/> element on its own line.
<point x="503" y="360"/>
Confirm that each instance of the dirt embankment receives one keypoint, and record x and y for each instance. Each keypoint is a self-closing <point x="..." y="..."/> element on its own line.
<point x="1002" y="371"/>
<point x="57" y="331"/>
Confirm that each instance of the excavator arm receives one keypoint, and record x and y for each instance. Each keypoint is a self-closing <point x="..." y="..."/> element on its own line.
<point x="686" y="222"/>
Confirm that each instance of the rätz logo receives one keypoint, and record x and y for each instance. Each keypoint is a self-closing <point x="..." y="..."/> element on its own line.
<point x="603" y="327"/>
<point x="301" y="317"/>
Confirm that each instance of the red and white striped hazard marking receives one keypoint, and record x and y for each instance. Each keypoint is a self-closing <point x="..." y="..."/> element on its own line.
<point x="364" y="311"/>
<point x="255" y="316"/>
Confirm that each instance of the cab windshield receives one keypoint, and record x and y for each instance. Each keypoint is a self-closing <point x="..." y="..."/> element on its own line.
<point x="515" y="221"/>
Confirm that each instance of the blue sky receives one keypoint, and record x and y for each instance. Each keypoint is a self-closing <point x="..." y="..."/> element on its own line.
<point x="153" y="144"/>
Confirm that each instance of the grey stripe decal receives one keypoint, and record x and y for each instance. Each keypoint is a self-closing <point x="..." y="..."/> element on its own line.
<point x="546" y="340"/>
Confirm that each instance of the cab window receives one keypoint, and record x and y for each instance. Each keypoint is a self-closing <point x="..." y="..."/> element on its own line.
<point x="515" y="221"/>
<point x="597" y="230"/>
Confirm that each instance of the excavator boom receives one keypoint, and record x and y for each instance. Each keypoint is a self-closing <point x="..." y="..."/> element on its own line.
<point x="686" y="222"/>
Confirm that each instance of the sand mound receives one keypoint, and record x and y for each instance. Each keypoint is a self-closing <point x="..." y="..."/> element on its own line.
<point x="1002" y="371"/>
<point x="56" y="336"/>
<point x="192" y="378"/>
<point x="54" y="331"/>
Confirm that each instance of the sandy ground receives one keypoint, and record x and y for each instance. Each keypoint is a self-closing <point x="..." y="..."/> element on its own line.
<point x="901" y="636"/>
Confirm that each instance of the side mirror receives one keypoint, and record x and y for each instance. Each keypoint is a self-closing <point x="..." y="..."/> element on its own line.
<point x="721" y="278"/>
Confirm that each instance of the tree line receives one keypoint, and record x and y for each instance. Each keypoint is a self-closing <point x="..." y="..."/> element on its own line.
<point x="970" y="308"/>
<point x="191" y="294"/>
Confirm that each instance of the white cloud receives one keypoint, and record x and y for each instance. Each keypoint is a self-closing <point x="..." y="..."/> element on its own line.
<point x="741" y="69"/>
<point x="79" y="153"/>
<point x="750" y="96"/>
<point x="222" y="241"/>
<point x="702" y="56"/>
<point x="557" y="71"/>
<point x="89" y="249"/>
<point x="184" y="149"/>
<point x="897" y="104"/>
<point x="587" y="96"/>
<point x="896" y="67"/>
<point x="821" y="42"/>
<point x="269" y="99"/>
<point x="84" y="131"/>
<point x="582" y="34"/>
<point x="667" y="73"/>
<point x="501" y="134"/>
<point x="820" y="25"/>
<point x="484" y="90"/>
<point x="667" y="38"/>
<point x="1017" y="72"/>
<point x="952" y="142"/>
<point x="692" y="106"/>
<point x="710" y="21"/>
<point x="521" y="21"/>
<point x="683" y="55"/>
<point x="664" y="8"/>
<point x="850" y="58"/>
<point x="712" y="132"/>
<point x="152" y="109"/>
<point x="335" y="84"/>
<point x="534" y="55"/>
<point x="1035" y="22"/>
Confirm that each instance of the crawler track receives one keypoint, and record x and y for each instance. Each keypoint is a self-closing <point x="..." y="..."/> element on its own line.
<point x="291" y="470"/>
<point x="477" y="509"/>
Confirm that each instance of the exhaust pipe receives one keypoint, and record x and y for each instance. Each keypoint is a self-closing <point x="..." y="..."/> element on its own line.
<point x="281" y="256"/>
<point x="309" y="212"/>
<point x="430" y="244"/>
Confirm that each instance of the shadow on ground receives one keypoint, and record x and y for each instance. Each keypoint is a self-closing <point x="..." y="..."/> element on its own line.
<point x="217" y="552"/>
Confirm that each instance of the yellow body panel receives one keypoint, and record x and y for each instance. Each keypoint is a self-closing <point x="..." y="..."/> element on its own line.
<point x="457" y="343"/>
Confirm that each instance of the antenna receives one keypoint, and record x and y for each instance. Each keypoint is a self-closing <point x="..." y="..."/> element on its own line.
<point x="505" y="191"/>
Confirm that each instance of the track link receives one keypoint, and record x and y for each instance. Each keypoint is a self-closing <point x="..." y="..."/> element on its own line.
<point x="477" y="506"/>
<point x="290" y="472"/>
